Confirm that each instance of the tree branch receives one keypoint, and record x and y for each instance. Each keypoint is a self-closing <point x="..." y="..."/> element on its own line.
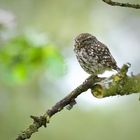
<point x="112" y="3"/>
<point x="119" y="84"/>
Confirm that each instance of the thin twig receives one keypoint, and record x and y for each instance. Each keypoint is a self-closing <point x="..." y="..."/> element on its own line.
<point x="112" y="3"/>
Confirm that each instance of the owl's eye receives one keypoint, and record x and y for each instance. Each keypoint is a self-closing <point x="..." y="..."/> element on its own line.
<point x="77" y="43"/>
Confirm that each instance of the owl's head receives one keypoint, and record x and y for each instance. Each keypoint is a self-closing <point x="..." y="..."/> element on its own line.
<point x="83" y="39"/>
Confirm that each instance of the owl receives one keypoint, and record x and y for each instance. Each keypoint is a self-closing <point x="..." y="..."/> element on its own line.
<point x="93" y="56"/>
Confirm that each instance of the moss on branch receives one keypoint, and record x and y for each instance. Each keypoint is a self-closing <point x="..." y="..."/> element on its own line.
<point x="119" y="84"/>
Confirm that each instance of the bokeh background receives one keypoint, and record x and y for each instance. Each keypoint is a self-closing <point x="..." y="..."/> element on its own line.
<point x="38" y="68"/>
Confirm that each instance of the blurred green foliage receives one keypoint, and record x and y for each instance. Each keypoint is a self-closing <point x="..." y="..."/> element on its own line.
<point x="24" y="56"/>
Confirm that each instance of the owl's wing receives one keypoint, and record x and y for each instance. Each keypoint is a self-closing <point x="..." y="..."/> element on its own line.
<point x="105" y="57"/>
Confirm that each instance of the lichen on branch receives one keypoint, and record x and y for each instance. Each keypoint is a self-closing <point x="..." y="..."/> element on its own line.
<point x="119" y="84"/>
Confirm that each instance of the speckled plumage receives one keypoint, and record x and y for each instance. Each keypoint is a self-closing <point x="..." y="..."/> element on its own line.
<point x="93" y="56"/>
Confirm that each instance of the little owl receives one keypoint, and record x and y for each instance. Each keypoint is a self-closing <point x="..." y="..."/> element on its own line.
<point x="93" y="56"/>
